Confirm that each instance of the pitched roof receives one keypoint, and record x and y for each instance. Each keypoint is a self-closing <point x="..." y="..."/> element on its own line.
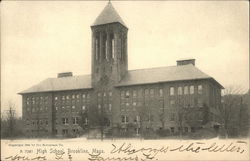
<point x="163" y="74"/>
<point x="61" y="84"/>
<point x="108" y="15"/>
<point x="133" y="77"/>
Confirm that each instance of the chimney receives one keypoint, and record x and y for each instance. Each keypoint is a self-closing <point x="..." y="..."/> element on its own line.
<point x="185" y="62"/>
<point x="65" y="74"/>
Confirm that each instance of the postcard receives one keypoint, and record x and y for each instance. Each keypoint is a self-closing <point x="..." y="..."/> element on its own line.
<point x="125" y="80"/>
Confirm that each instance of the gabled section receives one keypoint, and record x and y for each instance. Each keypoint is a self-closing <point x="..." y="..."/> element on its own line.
<point x="108" y="15"/>
<point x="61" y="84"/>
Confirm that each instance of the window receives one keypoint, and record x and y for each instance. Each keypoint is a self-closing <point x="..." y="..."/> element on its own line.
<point x="134" y="103"/>
<point x="106" y="49"/>
<point x="73" y="107"/>
<point x="179" y="90"/>
<point x="56" y="108"/>
<point x="75" y="120"/>
<point x="200" y="116"/>
<point x="199" y="103"/>
<point x="185" y="129"/>
<point x="150" y="117"/>
<point x="112" y="45"/>
<point x="110" y="94"/>
<point x="172" y="129"/>
<point x="88" y="96"/>
<point x="65" y="121"/>
<point x="191" y="103"/>
<point x="83" y="96"/>
<point x="99" y="106"/>
<point x="78" y="96"/>
<point x="146" y="92"/>
<point x="127" y="93"/>
<point x="73" y="96"/>
<point x="172" y="102"/>
<point x="65" y="131"/>
<point x="127" y="104"/>
<point x="137" y="119"/>
<point x="134" y="93"/>
<point x="125" y="119"/>
<point x="186" y="90"/>
<point x="67" y="97"/>
<point x="152" y="92"/>
<point x="56" y="98"/>
<point x="122" y="94"/>
<point x="83" y="108"/>
<point x="161" y="92"/>
<point x="86" y="121"/>
<point x="191" y="89"/>
<point x="99" y="94"/>
<point x="104" y="94"/>
<point x="171" y="91"/>
<point x="97" y="47"/>
<point x="172" y="117"/>
<point x="110" y="107"/>
<point x="199" y="89"/>
<point x="63" y="97"/>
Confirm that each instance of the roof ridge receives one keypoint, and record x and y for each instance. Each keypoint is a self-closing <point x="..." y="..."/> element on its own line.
<point x="70" y="76"/>
<point x="160" y="67"/>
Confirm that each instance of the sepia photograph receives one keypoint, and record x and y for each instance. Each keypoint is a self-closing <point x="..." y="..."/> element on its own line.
<point x="125" y="80"/>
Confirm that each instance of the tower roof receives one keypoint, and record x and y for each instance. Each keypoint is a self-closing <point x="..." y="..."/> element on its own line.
<point x="108" y="15"/>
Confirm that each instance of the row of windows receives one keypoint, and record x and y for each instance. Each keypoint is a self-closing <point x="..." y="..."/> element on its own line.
<point x="105" y="46"/>
<point x="188" y="116"/>
<point x="37" y="109"/>
<point x="105" y="106"/>
<point x="70" y="102"/>
<point x="183" y="129"/>
<point x="37" y="122"/>
<point x="185" y="103"/>
<point x="151" y="92"/>
<point x="36" y="102"/>
<point x="72" y="96"/>
<point x="104" y="94"/>
<point x="69" y="107"/>
<point x="66" y="131"/>
<point x="37" y="98"/>
<point x="172" y="117"/>
<point x="186" y="90"/>
<point x="75" y="121"/>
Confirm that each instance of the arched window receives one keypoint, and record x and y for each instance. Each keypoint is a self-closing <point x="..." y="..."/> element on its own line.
<point x="112" y="45"/>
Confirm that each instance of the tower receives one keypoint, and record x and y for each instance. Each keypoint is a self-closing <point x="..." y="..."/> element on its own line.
<point x="109" y="48"/>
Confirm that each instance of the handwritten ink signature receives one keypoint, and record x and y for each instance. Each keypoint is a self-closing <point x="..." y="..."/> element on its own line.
<point x="18" y="157"/>
<point x="149" y="153"/>
<point x="98" y="157"/>
<point x="197" y="147"/>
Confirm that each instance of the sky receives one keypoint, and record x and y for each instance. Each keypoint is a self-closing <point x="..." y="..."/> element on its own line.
<point x="42" y="38"/>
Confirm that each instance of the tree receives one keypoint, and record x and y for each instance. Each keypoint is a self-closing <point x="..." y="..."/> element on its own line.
<point x="11" y="125"/>
<point x="231" y="111"/>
